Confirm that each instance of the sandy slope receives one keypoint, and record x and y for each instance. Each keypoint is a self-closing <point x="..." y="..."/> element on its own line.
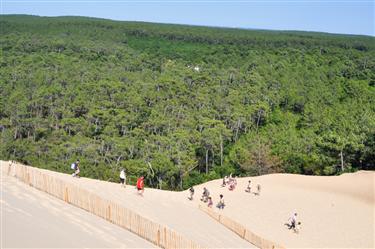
<point x="336" y="212"/>
<point x="33" y="219"/>
<point x="167" y="208"/>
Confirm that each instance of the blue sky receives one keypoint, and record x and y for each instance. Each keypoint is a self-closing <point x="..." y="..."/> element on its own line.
<point x="334" y="16"/>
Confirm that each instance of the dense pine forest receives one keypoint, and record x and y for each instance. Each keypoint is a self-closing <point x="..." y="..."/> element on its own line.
<point x="183" y="104"/>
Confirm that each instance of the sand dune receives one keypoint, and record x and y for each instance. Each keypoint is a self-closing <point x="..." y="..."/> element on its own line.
<point x="336" y="212"/>
<point x="34" y="219"/>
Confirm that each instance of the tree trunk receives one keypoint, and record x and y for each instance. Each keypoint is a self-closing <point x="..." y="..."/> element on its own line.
<point x="181" y="184"/>
<point x="206" y="161"/>
<point x="213" y="158"/>
<point x="221" y="150"/>
<point x="15" y="133"/>
<point x="342" y="160"/>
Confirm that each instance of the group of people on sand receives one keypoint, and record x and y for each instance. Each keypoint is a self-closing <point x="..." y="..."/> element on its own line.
<point x="229" y="181"/>
<point x="248" y="188"/>
<point x="207" y="198"/>
<point x="140" y="186"/>
<point x="140" y="181"/>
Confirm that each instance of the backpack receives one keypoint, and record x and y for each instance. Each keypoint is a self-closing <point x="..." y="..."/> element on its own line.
<point x="73" y="166"/>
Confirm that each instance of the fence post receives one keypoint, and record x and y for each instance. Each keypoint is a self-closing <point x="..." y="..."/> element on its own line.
<point x="9" y="168"/>
<point x="28" y="178"/>
<point x="66" y="196"/>
<point x="165" y="238"/>
<point x="109" y="212"/>
<point x="158" y="237"/>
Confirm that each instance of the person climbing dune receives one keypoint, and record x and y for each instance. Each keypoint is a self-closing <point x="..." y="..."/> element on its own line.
<point x="140" y="185"/>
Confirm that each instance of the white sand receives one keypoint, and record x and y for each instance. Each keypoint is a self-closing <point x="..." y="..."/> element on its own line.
<point x="33" y="219"/>
<point x="336" y="212"/>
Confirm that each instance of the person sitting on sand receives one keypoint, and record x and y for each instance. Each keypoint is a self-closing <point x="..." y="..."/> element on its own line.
<point x="225" y="180"/>
<point x="122" y="178"/>
<point x="221" y="203"/>
<point x="248" y="189"/>
<point x="232" y="185"/>
<point x="191" y="190"/>
<point x="230" y="178"/>
<point x="205" y="195"/>
<point x="140" y="185"/>
<point x="210" y="203"/>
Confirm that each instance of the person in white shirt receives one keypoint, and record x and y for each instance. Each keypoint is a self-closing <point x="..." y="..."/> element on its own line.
<point x="221" y="203"/>
<point x="123" y="178"/>
<point x="292" y="222"/>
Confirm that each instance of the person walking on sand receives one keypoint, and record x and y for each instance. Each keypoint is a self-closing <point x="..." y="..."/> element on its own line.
<point x="76" y="168"/>
<point x="248" y="189"/>
<point x="140" y="185"/>
<point x="292" y="222"/>
<point x="221" y="203"/>
<point x="191" y="191"/>
<point x="123" y="178"/>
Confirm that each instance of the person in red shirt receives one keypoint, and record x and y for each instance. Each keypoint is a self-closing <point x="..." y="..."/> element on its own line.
<point x="140" y="185"/>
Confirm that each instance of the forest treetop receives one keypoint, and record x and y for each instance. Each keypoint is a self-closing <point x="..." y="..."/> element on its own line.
<point x="184" y="104"/>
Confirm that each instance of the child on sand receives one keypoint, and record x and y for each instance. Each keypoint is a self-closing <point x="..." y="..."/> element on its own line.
<point x="140" y="185"/>
<point x="210" y="203"/>
<point x="191" y="190"/>
<point x="221" y="203"/>
<point x="232" y="185"/>
<point x="123" y="178"/>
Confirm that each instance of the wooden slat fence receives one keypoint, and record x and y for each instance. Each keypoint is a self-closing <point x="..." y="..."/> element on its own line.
<point x="239" y="229"/>
<point x="159" y="235"/>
